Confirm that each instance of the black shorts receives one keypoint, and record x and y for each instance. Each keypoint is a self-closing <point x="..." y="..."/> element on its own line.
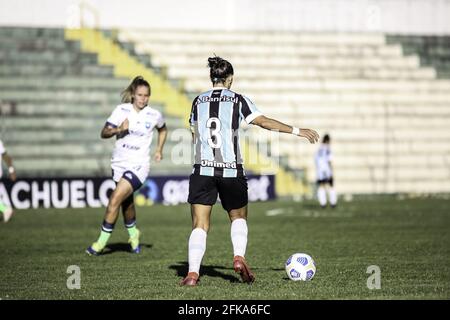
<point x="326" y="181"/>
<point x="233" y="192"/>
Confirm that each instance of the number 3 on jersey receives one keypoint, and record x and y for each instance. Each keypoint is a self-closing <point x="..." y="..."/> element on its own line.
<point x="214" y="132"/>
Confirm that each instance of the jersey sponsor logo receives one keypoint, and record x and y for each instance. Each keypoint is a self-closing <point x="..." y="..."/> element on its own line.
<point x="130" y="147"/>
<point x="205" y="99"/>
<point x="152" y="114"/>
<point x="125" y="109"/>
<point x="214" y="164"/>
<point x="138" y="129"/>
<point x="137" y="132"/>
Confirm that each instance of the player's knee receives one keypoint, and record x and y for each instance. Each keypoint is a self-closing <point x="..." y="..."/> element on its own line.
<point x="202" y="224"/>
<point x="237" y="214"/>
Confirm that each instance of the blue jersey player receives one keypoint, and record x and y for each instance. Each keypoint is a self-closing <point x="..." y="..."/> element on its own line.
<point x="218" y="169"/>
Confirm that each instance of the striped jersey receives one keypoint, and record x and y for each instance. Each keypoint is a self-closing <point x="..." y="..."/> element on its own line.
<point x="215" y="119"/>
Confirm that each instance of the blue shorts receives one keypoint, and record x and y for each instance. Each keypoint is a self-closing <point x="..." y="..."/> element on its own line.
<point x="131" y="178"/>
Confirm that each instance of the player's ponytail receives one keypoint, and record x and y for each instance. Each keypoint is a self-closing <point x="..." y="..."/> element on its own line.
<point x="127" y="94"/>
<point x="220" y="69"/>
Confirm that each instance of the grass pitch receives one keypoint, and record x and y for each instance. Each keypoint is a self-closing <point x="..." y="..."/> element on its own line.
<point x="409" y="240"/>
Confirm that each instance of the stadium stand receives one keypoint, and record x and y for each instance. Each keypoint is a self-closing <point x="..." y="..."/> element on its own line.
<point x="54" y="101"/>
<point x="176" y="103"/>
<point x="433" y="51"/>
<point x="383" y="99"/>
<point x="378" y="96"/>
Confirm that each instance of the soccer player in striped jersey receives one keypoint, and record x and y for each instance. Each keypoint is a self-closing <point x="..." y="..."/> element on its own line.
<point x="215" y="119"/>
<point x="132" y="123"/>
<point x="7" y="211"/>
<point x="324" y="172"/>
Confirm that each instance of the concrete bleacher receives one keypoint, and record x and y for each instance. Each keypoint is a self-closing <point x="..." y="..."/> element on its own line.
<point x="383" y="99"/>
<point x="54" y="101"/>
<point x="432" y="51"/>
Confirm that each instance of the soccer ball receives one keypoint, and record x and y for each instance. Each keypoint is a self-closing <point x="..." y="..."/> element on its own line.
<point x="300" y="266"/>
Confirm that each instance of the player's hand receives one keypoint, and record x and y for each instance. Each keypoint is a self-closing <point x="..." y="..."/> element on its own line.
<point x="158" y="156"/>
<point x="123" y="129"/>
<point x="309" y="134"/>
<point x="124" y="126"/>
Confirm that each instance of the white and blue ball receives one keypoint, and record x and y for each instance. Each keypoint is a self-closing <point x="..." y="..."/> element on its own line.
<point x="300" y="266"/>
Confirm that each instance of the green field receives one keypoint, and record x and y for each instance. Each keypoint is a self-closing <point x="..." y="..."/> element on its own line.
<point x="408" y="239"/>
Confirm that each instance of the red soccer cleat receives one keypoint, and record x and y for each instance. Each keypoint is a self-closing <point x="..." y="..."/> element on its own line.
<point x="191" y="280"/>
<point x="240" y="266"/>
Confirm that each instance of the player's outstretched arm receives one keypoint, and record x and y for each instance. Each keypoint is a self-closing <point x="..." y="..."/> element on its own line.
<point x="272" y="124"/>
<point x="109" y="131"/>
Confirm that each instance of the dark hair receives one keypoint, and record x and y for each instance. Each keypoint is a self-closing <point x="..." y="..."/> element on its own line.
<point x="127" y="94"/>
<point x="220" y="69"/>
<point x="326" y="138"/>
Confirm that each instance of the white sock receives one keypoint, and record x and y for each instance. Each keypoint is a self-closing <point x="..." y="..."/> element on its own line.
<point x="197" y="248"/>
<point x="239" y="232"/>
<point x="333" y="196"/>
<point x="322" y="196"/>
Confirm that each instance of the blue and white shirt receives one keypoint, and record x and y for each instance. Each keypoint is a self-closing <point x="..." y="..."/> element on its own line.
<point x="215" y="119"/>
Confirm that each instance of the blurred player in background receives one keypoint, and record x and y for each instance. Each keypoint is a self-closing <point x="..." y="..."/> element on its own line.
<point x="132" y="123"/>
<point x="215" y="119"/>
<point x="324" y="172"/>
<point x="7" y="211"/>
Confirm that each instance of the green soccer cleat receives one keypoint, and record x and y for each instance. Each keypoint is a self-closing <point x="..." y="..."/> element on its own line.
<point x="134" y="242"/>
<point x="95" y="249"/>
